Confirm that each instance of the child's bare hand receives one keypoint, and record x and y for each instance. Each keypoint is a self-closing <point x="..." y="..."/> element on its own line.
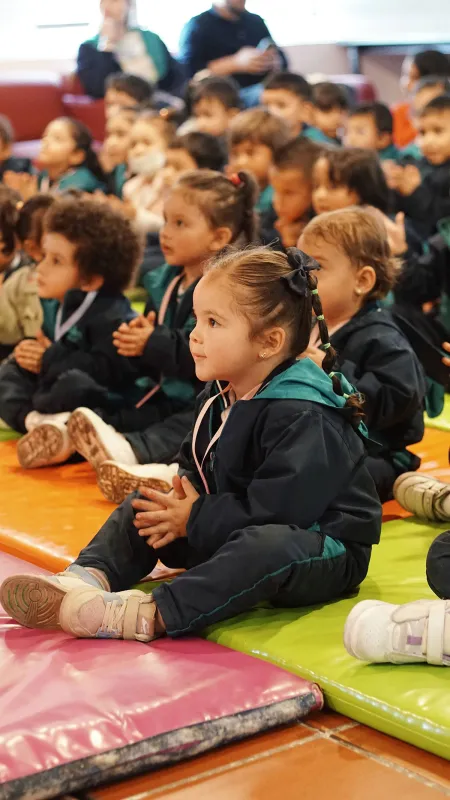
<point x="131" y="338"/>
<point x="395" y="230"/>
<point x="164" y="526"/>
<point x="446" y="347"/>
<point x="22" y="182"/>
<point x="290" y="232"/>
<point x="29" y="353"/>
<point x="405" y="180"/>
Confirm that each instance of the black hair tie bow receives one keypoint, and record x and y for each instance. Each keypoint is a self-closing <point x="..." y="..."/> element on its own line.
<point x="301" y="264"/>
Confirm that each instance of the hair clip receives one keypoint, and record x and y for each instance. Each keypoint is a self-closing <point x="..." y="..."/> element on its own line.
<point x="326" y="346"/>
<point x="235" y="179"/>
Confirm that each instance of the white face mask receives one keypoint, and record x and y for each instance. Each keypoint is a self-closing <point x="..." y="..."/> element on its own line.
<point x="148" y="164"/>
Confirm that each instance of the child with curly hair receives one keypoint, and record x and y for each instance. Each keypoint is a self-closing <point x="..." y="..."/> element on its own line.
<point x="90" y="254"/>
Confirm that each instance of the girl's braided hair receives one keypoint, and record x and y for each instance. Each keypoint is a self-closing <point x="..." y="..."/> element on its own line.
<point x="279" y="289"/>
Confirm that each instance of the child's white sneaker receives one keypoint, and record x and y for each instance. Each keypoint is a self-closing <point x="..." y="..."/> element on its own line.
<point x="46" y="445"/>
<point x="96" y="441"/>
<point x="35" y="418"/>
<point x="35" y="600"/>
<point x="91" y="613"/>
<point x="425" y="497"/>
<point x="117" y="481"/>
<point x="385" y="633"/>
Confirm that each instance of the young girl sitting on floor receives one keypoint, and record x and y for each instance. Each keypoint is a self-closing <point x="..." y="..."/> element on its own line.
<point x="204" y="213"/>
<point x="21" y="314"/>
<point x="357" y="271"/>
<point x="273" y="501"/>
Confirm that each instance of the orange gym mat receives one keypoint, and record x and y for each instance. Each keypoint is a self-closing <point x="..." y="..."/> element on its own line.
<point x="48" y="515"/>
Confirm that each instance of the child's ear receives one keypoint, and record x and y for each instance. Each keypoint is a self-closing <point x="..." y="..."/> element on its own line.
<point x="273" y="341"/>
<point x="92" y="284"/>
<point x="366" y="279"/>
<point x="384" y="140"/>
<point x="77" y="158"/>
<point x="222" y="237"/>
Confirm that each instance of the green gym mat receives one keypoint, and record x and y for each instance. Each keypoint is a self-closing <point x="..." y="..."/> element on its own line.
<point x="410" y="702"/>
<point x="5" y="436"/>
<point x="442" y="422"/>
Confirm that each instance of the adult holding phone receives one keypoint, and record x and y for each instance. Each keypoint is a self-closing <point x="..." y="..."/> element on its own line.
<point x="121" y="46"/>
<point x="229" y="40"/>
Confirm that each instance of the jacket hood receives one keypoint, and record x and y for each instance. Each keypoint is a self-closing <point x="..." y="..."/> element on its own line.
<point x="304" y="380"/>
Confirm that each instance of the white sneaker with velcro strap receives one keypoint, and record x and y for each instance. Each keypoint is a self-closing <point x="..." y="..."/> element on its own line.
<point x="423" y="496"/>
<point x="416" y="632"/>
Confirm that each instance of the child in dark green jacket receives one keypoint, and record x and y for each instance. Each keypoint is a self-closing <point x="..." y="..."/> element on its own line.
<point x="204" y="212"/>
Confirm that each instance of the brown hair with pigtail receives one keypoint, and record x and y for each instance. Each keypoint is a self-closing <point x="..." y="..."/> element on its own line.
<point x="225" y="202"/>
<point x="274" y="289"/>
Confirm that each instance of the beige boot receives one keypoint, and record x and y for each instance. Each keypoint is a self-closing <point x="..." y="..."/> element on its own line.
<point x="117" y="481"/>
<point x="46" y="445"/>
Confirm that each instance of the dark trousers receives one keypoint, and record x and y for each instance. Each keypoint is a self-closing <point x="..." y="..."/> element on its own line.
<point x="438" y="565"/>
<point x="17" y="387"/>
<point x="282" y="564"/>
<point x="160" y="443"/>
<point x="384" y="475"/>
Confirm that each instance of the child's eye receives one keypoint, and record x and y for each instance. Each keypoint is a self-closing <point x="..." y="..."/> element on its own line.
<point x="212" y="322"/>
<point x="179" y="223"/>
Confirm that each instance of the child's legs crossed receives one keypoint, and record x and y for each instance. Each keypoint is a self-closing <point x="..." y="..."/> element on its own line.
<point x="280" y="563"/>
<point x="123" y="555"/>
<point x="438" y="565"/>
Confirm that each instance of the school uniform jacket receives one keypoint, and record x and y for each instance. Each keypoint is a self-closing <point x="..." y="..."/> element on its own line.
<point x="88" y="345"/>
<point x="377" y="359"/>
<point x="167" y="357"/>
<point x="288" y="456"/>
<point x="430" y="202"/>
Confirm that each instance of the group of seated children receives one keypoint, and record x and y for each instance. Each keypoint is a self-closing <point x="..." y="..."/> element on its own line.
<point x="264" y="399"/>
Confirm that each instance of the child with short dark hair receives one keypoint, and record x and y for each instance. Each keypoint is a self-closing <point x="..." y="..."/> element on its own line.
<point x="330" y="106"/>
<point x="273" y="500"/>
<point x="254" y="137"/>
<point x="291" y="181"/>
<point x="370" y="126"/>
<point x="425" y="199"/>
<point x="289" y="96"/>
<point x="21" y="314"/>
<point x="90" y="255"/>
<point x="204" y="213"/>
<point x="68" y="158"/>
<point x="346" y="177"/>
<point x="126" y="92"/>
<point x="8" y="162"/>
<point x="214" y="102"/>
<point x="195" y="150"/>
<point x="357" y="271"/>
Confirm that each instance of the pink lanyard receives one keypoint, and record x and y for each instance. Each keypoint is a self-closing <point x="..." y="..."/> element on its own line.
<point x="218" y="433"/>
<point x="161" y="317"/>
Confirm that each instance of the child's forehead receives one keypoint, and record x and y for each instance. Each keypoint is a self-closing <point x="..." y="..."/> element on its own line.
<point x="213" y="290"/>
<point x="436" y="118"/>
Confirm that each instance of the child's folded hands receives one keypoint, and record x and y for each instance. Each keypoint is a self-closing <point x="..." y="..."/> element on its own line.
<point x="29" y="352"/>
<point x="165" y="517"/>
<point x="131" y="338"/>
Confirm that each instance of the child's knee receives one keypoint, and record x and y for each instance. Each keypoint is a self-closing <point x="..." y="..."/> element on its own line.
<point x="438" y="565"/>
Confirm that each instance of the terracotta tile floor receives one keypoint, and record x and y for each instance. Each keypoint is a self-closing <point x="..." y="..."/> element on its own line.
<point x="327" y="756"/>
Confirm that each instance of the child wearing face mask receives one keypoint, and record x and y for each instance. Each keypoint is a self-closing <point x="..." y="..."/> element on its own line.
<point x="142" y="194"/>
<point x="21" y="314"/>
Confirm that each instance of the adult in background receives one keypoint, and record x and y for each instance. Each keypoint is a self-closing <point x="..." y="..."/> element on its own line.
<point x="228" y="40"/>
<point x="120" y="46"/>
<point x="420" y="65"/>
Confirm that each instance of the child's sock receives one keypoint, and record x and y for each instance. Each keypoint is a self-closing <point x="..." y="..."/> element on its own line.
<point x="88" y="573"/>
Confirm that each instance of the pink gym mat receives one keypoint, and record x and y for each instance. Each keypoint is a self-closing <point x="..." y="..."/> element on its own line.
<point x="75" y="714"/>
